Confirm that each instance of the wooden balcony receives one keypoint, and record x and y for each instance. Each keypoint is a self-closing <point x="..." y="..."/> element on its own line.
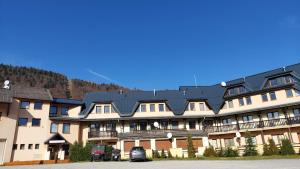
<point x="160" y="133"/>
<point x="102" y="134"/>
<point x="253" y="125"/>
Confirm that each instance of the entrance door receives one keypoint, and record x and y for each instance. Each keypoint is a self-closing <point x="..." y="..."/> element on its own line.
<point x="53" y="151"/>
<point x="2" y="148"/>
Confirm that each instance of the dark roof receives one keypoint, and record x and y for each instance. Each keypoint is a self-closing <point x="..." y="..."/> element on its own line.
<point x="177" y="100"/>
<point x="67" y="101"/>
<point x="31" y="93"/>
<point x="6" y="96"/>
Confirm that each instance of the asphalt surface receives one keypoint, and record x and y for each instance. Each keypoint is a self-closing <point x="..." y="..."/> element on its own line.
<point x="200" y="164"/>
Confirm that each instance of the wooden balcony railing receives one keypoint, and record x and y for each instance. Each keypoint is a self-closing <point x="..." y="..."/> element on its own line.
<point x="99" y="134"/>
<point x="253" y="125"/>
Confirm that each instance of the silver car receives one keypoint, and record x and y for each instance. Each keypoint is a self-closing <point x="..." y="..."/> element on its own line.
<point x="137" y="154"/>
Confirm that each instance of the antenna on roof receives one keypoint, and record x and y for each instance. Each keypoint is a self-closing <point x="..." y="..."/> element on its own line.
<point x="6" y="84"/>
<point x="283" y="68"/>
<point x="154" y="92"/>
<point x="195" y="78"/>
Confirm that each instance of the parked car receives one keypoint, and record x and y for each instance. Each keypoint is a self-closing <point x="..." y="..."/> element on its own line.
<point x="116" y="155"/>
<point x="98" y="152"/>
<point x="137" y="154"/>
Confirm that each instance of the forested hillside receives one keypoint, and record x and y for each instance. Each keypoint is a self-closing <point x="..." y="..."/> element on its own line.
<point x="59" y="84"/>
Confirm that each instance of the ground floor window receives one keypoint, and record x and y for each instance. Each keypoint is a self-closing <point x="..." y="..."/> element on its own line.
<point x="277" y="138"/>
<point x="229" y="142"/>
<point x="213" y="143"/>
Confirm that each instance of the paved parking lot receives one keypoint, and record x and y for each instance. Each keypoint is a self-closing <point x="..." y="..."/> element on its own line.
<point x="259" y="164"/>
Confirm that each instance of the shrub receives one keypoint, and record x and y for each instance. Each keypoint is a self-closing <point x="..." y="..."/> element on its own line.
<point x="270" y="149"/>
<point x="191" y="150"/>
<point x="170" y="154"/>
<point x="229" y="152"/>
<point x="76" y="150"/>
<point x="155" y="154"/>
<point x="210" y="152"/>
<point x="250" y="148"/>
<point x="221" y="153"/>
<point x="87" y="151"/>
<point x="286" y="147"/>
<point x="163" y="154"/>
<point x="108" y="152"/>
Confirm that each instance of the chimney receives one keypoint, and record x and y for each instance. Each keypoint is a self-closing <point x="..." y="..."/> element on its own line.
<point x="154" y="92"/>
<point x="184" y="92"/>
<point x="121" y="91"/>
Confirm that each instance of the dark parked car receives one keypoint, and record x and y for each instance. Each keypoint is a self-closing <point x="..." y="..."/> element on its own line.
<point x="98" y="152"/>
<point x="137" y="154"/>
<point x="116" y="155"/>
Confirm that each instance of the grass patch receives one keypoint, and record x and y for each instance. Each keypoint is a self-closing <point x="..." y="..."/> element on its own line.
<point x="234" y="158"/>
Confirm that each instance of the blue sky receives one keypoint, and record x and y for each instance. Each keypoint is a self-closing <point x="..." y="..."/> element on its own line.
<point x="151" y="44"/>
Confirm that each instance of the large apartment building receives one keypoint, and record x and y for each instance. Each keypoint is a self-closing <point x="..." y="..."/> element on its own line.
<point x="35" y="126"/>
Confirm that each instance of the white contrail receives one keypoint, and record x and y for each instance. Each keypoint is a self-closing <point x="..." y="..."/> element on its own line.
<point x="100" y="75"/>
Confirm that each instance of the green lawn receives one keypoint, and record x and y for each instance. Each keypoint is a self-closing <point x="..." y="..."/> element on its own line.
<point x="236" y="158"/>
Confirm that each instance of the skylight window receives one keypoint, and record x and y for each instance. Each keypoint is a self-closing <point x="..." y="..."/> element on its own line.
<point x="278" y="81"/>
<point x="236" y="90"/>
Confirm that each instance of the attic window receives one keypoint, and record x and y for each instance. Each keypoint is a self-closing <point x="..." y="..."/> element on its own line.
<point x="236" y="90"/>
<point x="278" y="81"/>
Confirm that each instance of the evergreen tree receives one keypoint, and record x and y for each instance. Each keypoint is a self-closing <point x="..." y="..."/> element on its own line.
<point x="273" y="148"/>
<point x="250" y="148"/>
<point x="191" y="150"/>
<point x="286" y="147"/>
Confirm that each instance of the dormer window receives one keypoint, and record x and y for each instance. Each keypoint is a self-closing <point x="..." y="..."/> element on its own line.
<point x="236" y="91"/>
<point x="192" y="107"/>
<point x="278" y="81"/>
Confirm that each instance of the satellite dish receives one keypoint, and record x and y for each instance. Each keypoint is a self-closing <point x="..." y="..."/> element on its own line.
<point x="156" y="124"/>
<point x="223" y="84"/>
<point x="6" y="84"/>
<point x="169" y="135"/>
<point x="238" y="134"/>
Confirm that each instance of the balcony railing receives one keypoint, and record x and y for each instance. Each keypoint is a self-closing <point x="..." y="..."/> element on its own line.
<point x="102" y="134"/>
<point x="253" y="125"/>
<point x="160" y="133"/>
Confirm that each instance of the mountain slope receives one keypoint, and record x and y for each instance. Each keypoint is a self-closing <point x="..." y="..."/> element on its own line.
<point x="59" y="84"/>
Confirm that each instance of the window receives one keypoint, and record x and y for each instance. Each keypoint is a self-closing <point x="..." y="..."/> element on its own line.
<point x="230" y="103"/>
<point x="164" y="124"/>
<point x="143" y="125"/>
<point x="15" y="146"/>
<point x="22" y="146"/>
<point x="236" y="91"/>
<point x="174" y="125"/>
<point x="277" y="138"/>
<point x="143" y="108"/>
<point x="226" y="121"/>
<point x="38" y="105"/>
<point x="53" y="128"/>
<point x="66" y="128"/>
<point x="229" y="142"/>
<point x="64" y="111"/>
<point x="106" y="109"/>
<point x="161" y="107"/>
<point x="30" y="146"/>
<point x="36" y="146"/>
<point x="273" y="95"/>
<point x="110" y="126"/>
<point x="296" y="112"/>
<point x="192" y="124"/>
<point x="192" y="107"/>
<point x="24" y="105"/>
<point x="241" y="101"/>
<point x="264" y="97"/>
<point x="279" y="81"/>
<point x="98" y="109"/>
<point x="53" y="111"/>
<point x="248" y="118"/>
<point x="213" y="143"/>
<point x="289" y="93"/>
<point x="248" y="100"/>
<point x="23" y="121"/>
<point x="202" y="106"/>
<point x="133" y="126"/>
<point x="273" y="115"/>
<point x="36" y="122"/>
<point x="152" y="107"/>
